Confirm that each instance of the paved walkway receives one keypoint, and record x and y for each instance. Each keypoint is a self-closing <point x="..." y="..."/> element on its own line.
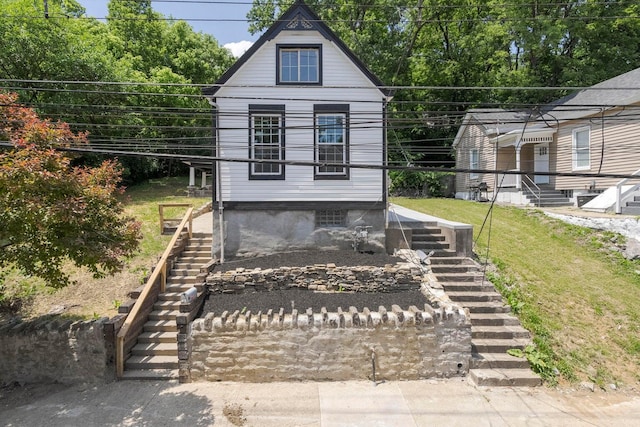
<point x="453" y="402"/>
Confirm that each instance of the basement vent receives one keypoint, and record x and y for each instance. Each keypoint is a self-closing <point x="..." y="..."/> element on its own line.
<point x="331" y="218"/>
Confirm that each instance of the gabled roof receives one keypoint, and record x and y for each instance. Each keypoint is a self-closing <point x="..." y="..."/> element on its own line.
<point x="298" y="17"/>
<point x="620" y="91"/>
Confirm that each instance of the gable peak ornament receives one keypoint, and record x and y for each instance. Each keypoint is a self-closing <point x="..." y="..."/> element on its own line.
<point x="299" y="22"/>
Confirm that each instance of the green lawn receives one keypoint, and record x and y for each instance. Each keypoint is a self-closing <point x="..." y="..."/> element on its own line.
<point x="580" y="298"/>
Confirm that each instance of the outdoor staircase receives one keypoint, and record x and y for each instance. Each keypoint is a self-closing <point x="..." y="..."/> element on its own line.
<point x="549" y="197"/>
<point x="632" y="207"/>
<point x="494" y="329"/>
<point x="155" y="356"/>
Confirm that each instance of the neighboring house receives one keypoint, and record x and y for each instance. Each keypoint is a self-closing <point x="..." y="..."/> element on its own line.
<point x="593" y="131"/>
<point x="291" y="115"/>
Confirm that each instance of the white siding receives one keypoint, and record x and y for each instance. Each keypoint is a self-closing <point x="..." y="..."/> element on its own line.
<point x="254" y="83"/>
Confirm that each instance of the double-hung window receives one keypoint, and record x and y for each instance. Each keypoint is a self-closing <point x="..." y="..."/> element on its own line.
<point x="331" y="141"/>
<point x="581" y="150"/>
<point x="299" y="64"/>
<point x="474" y="162"/>
<point x="266" y="141"/>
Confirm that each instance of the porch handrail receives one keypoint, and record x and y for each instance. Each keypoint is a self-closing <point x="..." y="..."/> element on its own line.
<point x="619" y="191"/>
<point x="526" y="181"/>
<point x="159" y="272"/>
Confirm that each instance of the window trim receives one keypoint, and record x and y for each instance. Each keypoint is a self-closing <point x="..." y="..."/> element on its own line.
<point x="298" y="47"/>
<point x="474" y="164"/>
<point x="256" y="110"/>
<point x="325" y="110"/>
<point x="574" y="148"/>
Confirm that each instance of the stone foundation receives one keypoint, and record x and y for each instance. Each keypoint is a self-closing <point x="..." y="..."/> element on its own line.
<point x="274" y="346"/>
<point x="262" y="232"/>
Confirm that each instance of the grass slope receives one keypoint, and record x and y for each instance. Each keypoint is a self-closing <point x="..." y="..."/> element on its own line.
<point x="579" y="297"/>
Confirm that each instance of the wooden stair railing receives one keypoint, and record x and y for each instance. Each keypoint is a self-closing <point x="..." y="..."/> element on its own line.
<point x="156" y="284"/>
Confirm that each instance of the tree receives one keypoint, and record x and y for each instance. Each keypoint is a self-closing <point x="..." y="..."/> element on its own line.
<point x="52" y="212"/>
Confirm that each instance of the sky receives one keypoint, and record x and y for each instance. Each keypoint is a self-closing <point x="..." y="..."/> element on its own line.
<point x="229" y="28"/>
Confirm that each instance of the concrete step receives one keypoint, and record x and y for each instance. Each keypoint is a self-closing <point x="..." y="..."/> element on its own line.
<point x="428" y="238"/>
<point x="156" y="337"/>
<point x="497" y="361"/>
<point x="630" y="210"/>
<point x="429" y="246"/>
<point x="494" y="319"/>
<point x="151" y="374"/>
<point x="504" y="378"/>
<point x="450" y="260"/>
<point x="487" y="307"/>
<point x="155" y="349"/>
<point x="453" y="268"/>
<point x="161" y="326"/>
<point x="151" y="362"/>
<point x="497" y="345"/>
<point x="444" y="253"/>
<point x="472" y="296"/>
<point x="457" y="277"/>
<point x="499" y="332"/>
<point x="426" y="230"/>
<point x="166" y="314"/>
<point x="468" y="287"/>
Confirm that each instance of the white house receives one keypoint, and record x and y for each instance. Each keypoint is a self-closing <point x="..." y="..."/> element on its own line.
<point x="296" y="118"/>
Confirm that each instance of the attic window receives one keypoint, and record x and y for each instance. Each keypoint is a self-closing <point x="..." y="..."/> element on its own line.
<point x="299" y="64"/>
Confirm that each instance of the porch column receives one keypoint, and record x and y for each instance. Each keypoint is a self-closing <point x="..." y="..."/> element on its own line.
<point x="204" y="179"/>
<point x="192" y="177"/>
<point x="518" y="177"/>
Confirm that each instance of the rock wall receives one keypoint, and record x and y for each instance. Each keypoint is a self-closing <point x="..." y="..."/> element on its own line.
<point x="320" y="277"/>
<point x="54" y="349"/>
<point x="274" y="346"/>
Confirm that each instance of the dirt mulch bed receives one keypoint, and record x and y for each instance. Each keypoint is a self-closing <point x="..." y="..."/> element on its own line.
<point x="302" y="299"/>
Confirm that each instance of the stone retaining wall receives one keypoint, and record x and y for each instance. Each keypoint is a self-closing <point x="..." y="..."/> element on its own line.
<point x="320" y="277"/>
<point x="54" y="349"/>
<point x="274" y="346"/>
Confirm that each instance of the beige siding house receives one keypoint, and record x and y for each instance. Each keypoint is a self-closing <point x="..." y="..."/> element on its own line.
<point x="567" y="152"/>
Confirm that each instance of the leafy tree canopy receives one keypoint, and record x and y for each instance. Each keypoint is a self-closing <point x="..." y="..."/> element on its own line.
<point x="52" y="212"/>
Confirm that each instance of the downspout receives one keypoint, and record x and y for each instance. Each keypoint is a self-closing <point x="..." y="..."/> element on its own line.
<point x="216" y="193"/>
<point x="385" y="162"/>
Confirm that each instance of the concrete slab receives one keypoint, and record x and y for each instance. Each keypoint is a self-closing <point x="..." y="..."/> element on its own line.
<point x="203" y="223"/>
<point x="453" y="402"/>
<point x="356" y="404"/>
